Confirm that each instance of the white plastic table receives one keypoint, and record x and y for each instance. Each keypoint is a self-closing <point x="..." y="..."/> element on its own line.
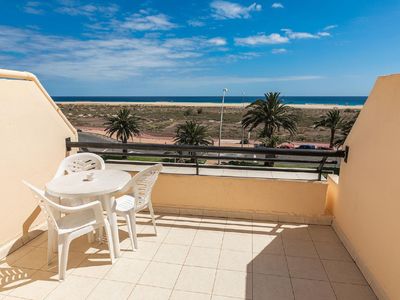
<point x="102" y="187"/>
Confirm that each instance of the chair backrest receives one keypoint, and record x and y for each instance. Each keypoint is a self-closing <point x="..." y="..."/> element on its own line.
<point x="44" y="203"/>
<point x="80" y="162"/>
<point x="143" y="183"/>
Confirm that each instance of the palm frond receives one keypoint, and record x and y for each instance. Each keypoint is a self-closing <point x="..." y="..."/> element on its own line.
<point x="192" y="133"/>
<point x="272" y="114"/>
<point x="124" y="125"/>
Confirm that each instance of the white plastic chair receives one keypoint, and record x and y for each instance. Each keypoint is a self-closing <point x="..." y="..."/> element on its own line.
<point x="77" y="163"/>
<point x="77" y="221"/>
<point x="80" y="162"/>
<point x="127" y="205"/>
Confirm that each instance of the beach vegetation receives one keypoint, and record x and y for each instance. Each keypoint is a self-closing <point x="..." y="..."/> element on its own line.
<point x="272" y="115"/>
<point x="271" y="142"/>
<point x="345" y="129"/>
<point x="332" y="120"/>
<point x="188" y="112"/>
<point x="244" y="141"/>
<point x="192" y="133"/>
<point x="124" y="125"/>
<point x="161" y="121"/>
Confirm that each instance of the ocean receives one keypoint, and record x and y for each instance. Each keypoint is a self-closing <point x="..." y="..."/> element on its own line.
<point x="335" y="100"/>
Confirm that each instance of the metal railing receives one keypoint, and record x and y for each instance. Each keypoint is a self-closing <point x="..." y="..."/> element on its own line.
<point x="267" y="159"/>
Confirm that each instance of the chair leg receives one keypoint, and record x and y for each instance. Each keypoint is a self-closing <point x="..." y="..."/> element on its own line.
<point x="132" y="219"/>
<point x="90" y="237"/>
<point x="63" y="249"/>
<point x="109" y="240"/>
<point x="152" y="216"/>
<point x="50" y="237"/>
<point x="99" y="234"/>
<point x="130" y="232"/>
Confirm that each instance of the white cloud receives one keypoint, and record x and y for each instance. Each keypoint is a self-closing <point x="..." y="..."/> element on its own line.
<point x="144" y="22"/>
<point x="196" y="23"/>
<point x="230" y="10"/>
<point x="330" y="27"/>
<point x="277" y="5"/>
<point x="262" y="39"/>
<point x="324" y="34"/>
<point x="299" y="35"/>
<point x="239" y="56"/>
<point x="276" y="38"/>
<point x="304" y="35"/>
<point x="33" y="7"/>
<point x="278" y="51"/>
<point x="217" y="41"/>
<point x="112" y="57"/>
<point x="88" y="10"/>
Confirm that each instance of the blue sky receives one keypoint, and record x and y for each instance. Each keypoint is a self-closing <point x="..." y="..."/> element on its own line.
<point x="177" y="47"/>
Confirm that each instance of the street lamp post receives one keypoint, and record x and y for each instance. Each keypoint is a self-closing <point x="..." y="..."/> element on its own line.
<point x="224" y="91"/>
<point x="242" y="141"/>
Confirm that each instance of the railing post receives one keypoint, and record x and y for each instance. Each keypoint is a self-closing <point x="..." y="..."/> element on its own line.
<point x="346" y="153"/>
<point x="321" y="166"/>
<point x="197" y="163"/>
<point x="67" y="145"/>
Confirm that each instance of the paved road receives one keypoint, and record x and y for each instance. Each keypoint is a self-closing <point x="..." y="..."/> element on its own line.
<point x="94" y="138"/>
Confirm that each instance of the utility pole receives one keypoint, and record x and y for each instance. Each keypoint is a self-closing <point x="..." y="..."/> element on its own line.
<point x="224" y="91"/>
<point x="242" y="141"/>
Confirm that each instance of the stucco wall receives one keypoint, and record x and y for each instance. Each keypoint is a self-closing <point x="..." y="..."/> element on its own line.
<point x="241" y="195"/>
<point x="332" y="192"/>
<point x="368" y="205"/>
<point x="33" y="136"/>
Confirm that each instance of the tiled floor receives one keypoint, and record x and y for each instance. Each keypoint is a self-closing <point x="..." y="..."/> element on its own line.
<point x="194" y="258"/>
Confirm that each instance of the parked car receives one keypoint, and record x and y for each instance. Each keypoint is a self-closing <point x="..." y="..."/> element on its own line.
<point x="287" y="146"/>
<point x="306" y="146"/>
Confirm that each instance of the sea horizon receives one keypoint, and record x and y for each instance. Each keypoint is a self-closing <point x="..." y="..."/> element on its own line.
<point x="301" y="100"/>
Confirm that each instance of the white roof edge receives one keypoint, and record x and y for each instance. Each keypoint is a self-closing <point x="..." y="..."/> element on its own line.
<point x="4" y="73"/>
<point x="11" y="74"/>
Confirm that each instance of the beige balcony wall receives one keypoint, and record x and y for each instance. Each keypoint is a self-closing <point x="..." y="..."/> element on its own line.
<point x="243" y="197"/>
<point x="33" y="133"/>
<point x="367" y="208"/>
<point x="332" y="192"/>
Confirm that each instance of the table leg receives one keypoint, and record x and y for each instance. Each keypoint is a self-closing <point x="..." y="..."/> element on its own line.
<point x="112" y="218"/>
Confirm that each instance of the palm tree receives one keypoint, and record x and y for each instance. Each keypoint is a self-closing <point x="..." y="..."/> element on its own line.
<point x="124" y="125"/>
<point x="273" y="116"/>
<point x="192" y="133"/>
<point x="270" y="113"/>
<point x="333" y="121"/>
<point x="345" y="129"/>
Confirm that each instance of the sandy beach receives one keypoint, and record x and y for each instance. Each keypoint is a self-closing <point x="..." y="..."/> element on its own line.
<point x="197" y="104"/>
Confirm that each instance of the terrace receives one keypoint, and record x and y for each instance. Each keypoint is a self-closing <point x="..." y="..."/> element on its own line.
<point x="220" y="236"/>
<point x="195" y="258"/>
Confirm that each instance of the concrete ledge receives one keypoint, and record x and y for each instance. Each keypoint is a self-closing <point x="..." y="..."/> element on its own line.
<point x="221" y="172"/>
<point x="317" y="220"/>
